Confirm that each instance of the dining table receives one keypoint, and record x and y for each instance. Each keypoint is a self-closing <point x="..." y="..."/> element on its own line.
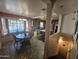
<point x="23" y="37"/>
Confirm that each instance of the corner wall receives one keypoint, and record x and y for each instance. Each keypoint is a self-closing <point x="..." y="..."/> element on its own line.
<point x="68" y="25"/>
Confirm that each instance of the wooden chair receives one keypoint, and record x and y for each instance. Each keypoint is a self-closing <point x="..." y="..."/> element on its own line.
<point x="7" y="45"/>
<point x="8" y="41"/>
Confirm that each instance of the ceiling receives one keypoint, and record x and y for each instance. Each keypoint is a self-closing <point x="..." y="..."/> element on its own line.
<point x="33" y="8"/>
<point x="66" y="6"/>
<point x="22" y="7"/>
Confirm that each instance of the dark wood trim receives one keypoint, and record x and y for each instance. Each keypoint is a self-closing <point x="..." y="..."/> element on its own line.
<point x="7" y="25"/>
<point x="24" y="25"/>
<point x="4" y="14"/>
<point x="0" y="28"/>
<point x="30" y="25"/>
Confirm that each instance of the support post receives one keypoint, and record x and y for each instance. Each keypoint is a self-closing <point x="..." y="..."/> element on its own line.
<point x="47" y="33"/>
<point x="60" y="23"/>
<point x="0" y="34"/>
<point x="7" y="25"/>
<point x="25" y="26"/>
<point x="29" y="25"/>
<point x="50" y="4"/>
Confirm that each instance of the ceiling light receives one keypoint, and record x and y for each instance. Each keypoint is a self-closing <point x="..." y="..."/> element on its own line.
<point x="60" y="40"/>
<point x="24" y="19"/>
<point x="20" y="19"/>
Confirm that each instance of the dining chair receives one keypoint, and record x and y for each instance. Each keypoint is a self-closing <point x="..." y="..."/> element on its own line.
<point x="17" y="43"/>
<point x="8" y="41"/>
<point x="8" y="44"/>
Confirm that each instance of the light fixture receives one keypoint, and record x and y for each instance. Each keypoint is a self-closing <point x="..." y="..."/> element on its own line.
<point x="60" y="40"/>
<point x="20" y="19"/>
<point x="24" y="19"/>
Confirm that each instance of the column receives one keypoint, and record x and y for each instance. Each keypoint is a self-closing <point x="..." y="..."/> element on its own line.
<point x="30" y="25"/>
<point x="7" y="25"/>
<point x="24" y="25"/>
<point x="47" y="28"/>
<point x="60" y="20"/>
<point x="36" y="25"/>
<point x="0" y="34"/>
<point x="50" y="5"/>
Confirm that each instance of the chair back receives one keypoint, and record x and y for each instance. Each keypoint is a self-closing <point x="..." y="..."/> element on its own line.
<point x="8" y="40"/>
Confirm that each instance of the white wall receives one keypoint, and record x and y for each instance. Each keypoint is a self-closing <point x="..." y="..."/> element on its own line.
<point x="59" y="23"/>
<point x="68" y="24"/>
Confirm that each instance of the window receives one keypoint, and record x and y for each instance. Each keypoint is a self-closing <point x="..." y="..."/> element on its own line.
<point x="4" y="29"/>
<point x="27" y="26"/>
<point x="20" y="26"/>
<point x="41" y="25"/>
<point x="16" y="25"/>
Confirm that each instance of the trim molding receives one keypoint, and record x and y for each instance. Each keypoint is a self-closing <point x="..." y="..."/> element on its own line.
<point x="4" y="14"/>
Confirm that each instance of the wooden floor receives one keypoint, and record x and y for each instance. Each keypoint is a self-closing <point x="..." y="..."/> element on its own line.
<point x="33" y="51"/>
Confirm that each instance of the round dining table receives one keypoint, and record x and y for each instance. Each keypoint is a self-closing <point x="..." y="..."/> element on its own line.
<point x="23" y="38"/>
